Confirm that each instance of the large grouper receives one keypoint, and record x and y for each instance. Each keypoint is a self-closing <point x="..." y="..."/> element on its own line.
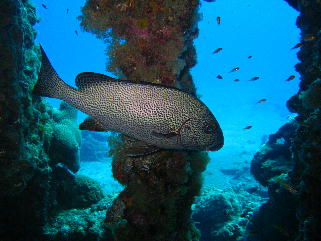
<point x="160" y="116"/>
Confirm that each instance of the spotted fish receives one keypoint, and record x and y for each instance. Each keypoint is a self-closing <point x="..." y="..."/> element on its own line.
<point x="160" y="116"/>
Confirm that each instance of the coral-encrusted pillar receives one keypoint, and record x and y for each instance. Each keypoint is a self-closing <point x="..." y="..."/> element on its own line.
<point x="151" y="40"/>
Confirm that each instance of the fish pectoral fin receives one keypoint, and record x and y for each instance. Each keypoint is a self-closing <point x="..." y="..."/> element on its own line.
<point x="90" y="124"/>
<point x="137" y="148"/>
<point x="87" y="79"/>
<point x="166" y="135"/>
<point x="142" y="152"/>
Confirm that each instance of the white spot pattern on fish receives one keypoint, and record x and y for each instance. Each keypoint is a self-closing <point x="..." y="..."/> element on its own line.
<point x="158" y="115"/>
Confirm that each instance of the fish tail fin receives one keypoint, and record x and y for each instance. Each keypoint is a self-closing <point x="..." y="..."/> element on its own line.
<point x="49" y="83"/>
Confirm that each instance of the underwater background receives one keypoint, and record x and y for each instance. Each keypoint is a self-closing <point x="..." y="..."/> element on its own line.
<point x="246" y="60"/>
<point x="233" y="103"/>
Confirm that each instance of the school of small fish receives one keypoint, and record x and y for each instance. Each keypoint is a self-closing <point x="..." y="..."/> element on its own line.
<point x="67" y="11"/>
<point x="306" y="38"/>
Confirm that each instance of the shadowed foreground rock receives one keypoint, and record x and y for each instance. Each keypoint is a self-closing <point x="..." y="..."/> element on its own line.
<point x="38" y="146"/>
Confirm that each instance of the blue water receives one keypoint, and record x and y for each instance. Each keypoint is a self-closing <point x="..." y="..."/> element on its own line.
<point x="263" y="29"/>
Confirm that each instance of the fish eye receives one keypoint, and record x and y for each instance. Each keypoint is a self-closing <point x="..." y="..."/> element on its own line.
<point x="209" y="128"/>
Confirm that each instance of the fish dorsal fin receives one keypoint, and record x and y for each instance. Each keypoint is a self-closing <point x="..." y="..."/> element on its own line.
<point x="87" y="79"/>
<point x="90" y="124"/>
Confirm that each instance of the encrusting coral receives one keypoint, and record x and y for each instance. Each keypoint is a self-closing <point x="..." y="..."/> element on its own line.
<point x="32" y="136"/>
<point x="270" y="167"/>
<point x="224" y="215"/>
<point x="24" y="169"/>
<point x="66" y="138"/>
<point x="79" y="192"/>
<point x="306" y="143"/>
<point x="147" y="37"/>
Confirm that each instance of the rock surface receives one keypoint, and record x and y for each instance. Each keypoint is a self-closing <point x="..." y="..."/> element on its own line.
<point x="295" y="193"/>
<point x="223" y="215"/>
<point x="38" y="144"/>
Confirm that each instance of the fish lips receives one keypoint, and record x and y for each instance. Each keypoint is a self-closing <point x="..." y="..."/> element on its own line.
<point x="218" y="143"/>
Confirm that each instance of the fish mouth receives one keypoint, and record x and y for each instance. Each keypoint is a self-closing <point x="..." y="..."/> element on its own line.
<point x="214" y="147"/>
<point x="217" y="144"/>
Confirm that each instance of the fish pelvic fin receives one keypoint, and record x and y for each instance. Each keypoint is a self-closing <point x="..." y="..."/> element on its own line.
<point x="91" y="124"/>
<point x="49" y="83"/>
<point x="143" y="153"/>
<point x="137" y="148"/>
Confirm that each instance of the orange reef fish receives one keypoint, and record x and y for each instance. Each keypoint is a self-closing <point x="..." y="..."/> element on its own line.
<point x="234" y="69"/>
<point x="309" y="38"/>
<point x="297" y="46"/>
<point x="261" y="101"/>
<point x="290" y="78"/>
<point x="217" y="50"/>
<point x="254" y="78"/>
<point x="160" y="116"/>
<point x="247" y="127"/>
<point x="286" y="186"/>
<point x="218" y="20"/>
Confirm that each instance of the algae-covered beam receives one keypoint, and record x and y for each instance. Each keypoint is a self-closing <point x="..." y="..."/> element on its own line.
<point x="151" y="41"/>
